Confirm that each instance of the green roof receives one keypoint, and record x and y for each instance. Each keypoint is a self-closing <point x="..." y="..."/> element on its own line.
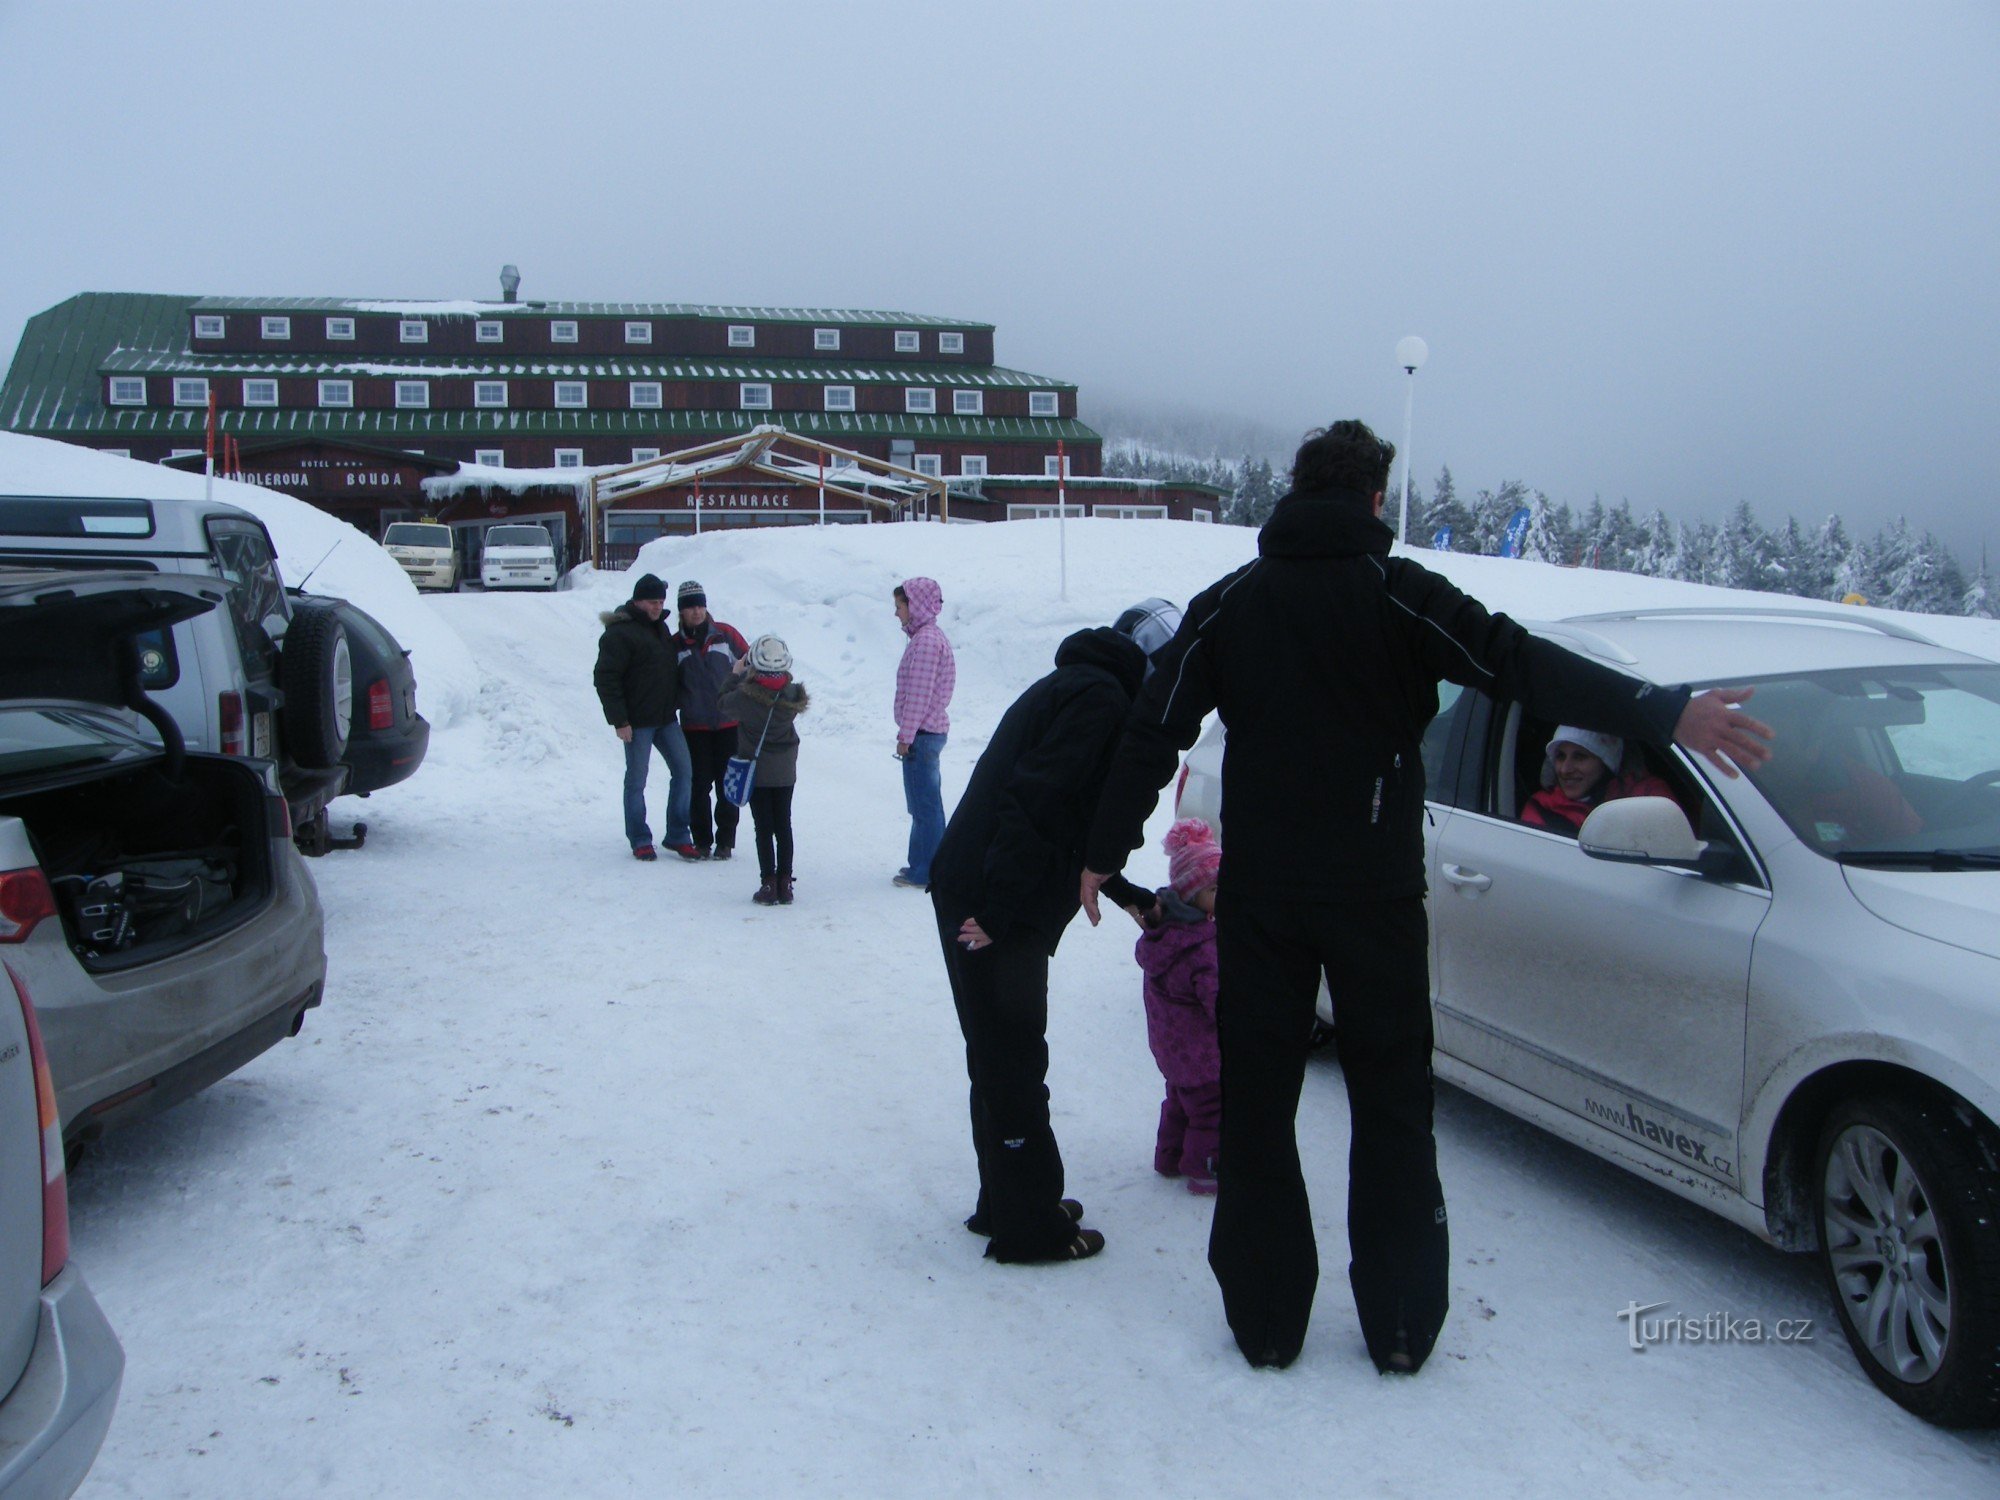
<point x="188" y="422"/>
<point x="409" y="308"/>
<point x="412" y="367"/>
<point x="54" y="384"/>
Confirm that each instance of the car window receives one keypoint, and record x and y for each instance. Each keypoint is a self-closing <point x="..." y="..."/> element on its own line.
<point x="257" y="603"/>
<point x="416" y="534"/>
<point x="1440" y="736"/>
<point x="518" y="536"/>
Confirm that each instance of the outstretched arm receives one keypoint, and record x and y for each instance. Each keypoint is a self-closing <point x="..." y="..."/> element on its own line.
<point x="1713" y="725"/>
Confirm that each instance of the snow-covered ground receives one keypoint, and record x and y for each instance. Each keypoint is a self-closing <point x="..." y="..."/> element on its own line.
<point x="591" y="1178"/>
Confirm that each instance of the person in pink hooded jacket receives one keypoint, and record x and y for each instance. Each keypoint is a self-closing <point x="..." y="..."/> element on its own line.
<point x="1176" y="954"/>
<point x="925" y="678"/>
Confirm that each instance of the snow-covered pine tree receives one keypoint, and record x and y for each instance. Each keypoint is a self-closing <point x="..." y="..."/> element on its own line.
<point x="1978" y="600"/>
<point x="1548" y="535"/>
<point x="1652" y="553"/>
<point x="1445" y="509"/>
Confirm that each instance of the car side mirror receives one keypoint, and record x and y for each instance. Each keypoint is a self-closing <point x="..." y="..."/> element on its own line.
<point x="1641" y="831"/>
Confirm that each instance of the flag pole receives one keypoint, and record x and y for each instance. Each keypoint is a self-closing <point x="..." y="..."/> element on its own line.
<point x="208" y="447"/>
<point x="1062" y="513"/>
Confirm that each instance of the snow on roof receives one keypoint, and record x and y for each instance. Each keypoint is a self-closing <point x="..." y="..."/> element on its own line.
<point x="515" y="481"/>
<point x="470" y="308"/>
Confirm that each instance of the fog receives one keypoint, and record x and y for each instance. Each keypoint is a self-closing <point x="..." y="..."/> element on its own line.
<point x="1680" y="255"/>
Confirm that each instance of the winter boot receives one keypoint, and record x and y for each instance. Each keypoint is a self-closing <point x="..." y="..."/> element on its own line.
<point x="784" y="890"/>
<point x="767" y="893"/>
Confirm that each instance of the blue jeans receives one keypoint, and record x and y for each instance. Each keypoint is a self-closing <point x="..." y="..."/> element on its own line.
<point x="672" y="745"/>
<point x="923" y="795"/>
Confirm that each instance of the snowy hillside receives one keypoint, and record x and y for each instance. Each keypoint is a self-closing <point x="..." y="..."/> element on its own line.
<point x="591" y="1178"/>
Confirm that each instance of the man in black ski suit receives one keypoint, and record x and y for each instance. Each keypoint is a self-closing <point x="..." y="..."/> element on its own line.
<point x="1323" y="657"/>
<point x="1004" y="886"/>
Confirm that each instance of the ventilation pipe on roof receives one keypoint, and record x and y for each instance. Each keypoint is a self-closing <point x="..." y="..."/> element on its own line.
<point x="510" y="282"/>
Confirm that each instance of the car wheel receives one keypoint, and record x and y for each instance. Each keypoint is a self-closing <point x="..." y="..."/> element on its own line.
<point x="1909" y="1221"/>
<point x="318" y="676"/>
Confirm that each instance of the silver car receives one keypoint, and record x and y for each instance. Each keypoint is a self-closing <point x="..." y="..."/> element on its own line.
<point x="60" y="1363"/>
<point x="174" y="932"/>
<point x="1777" y="996"/>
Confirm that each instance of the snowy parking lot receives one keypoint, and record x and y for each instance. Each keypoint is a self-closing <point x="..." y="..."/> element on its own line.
<point x="590" y="1177"/>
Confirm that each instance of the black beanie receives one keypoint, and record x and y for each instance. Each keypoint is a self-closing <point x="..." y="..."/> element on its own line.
<point x="649" y="586"/>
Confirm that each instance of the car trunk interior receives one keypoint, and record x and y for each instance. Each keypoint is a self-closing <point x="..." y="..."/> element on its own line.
<point x="144" y="864"/>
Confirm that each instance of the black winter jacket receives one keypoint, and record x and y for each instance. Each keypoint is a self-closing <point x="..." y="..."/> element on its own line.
<point x="636" y="672"/>
<point x="1323" y="657"/>
<point x="1012" y="855"/>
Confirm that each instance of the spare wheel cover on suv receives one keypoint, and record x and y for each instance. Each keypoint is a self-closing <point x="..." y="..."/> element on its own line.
<point x="318" y="678"/>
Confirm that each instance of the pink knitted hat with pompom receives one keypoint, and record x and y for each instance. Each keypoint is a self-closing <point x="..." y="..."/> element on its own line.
<point x="1193" y="857"/>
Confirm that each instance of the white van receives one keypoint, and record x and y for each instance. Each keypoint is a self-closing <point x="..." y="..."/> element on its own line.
<point x="518" y="557"/>
<point x="425" y="551"/>
<point x="247" y="679"/>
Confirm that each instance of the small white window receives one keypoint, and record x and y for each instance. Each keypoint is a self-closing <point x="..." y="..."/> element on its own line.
<point x="840" y="398"/>
<point x="646" y="393"/>
<point x="754" y="396"/>
<point x="562" y="331"/>
<point x="1049" y="466"/>
<point x="1042" y="404"/>
<point x="486" y="331"/>
<point x="919" y="399"/>
<point x="190" y="392"/>
<point x="638" y="333"/>
<point x="413" y="331"/>
<point x="1205" y="515"/>
<point x="572" y="393"/>
<point x="277" y="328"/>
<point x="1131" y="512"/>
<point x="491" y="458"/>
<point x="973" y="465"/>
<point x="968" y="403"/>
<point x="644" y="455"/>
<point x="208" y="327"/>
<point x="907" y="341"/>
<point x="1042" y="512"/>
<point x="929" y="464"/>
<point x="336" y="393"/>
<point x="128" y="390"/>
<point x="185" y="453"/>
<point x="951" y="343"/>
<point x="489" y="393"/>
<point x="340" y="328"/>
<point x="117" y="452"/>
<point x="569" y="458"/>
<point x="413" y="393"/>
<point x="742" y="336"/>
<point x="260" y="393"/>
<point x="826" y="338"/>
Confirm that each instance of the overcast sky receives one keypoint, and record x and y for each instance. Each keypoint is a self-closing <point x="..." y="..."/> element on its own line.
<point x="1683" y="254"/>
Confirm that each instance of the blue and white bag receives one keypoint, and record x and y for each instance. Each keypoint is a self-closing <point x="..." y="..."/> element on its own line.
<point x="741" y="773"/>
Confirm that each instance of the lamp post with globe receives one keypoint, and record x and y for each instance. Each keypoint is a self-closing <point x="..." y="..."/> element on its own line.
<point x="1410" y="354"/>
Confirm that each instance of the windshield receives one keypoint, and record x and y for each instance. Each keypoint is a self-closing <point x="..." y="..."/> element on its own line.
<point x="1900" y="765"/>
<point x="518" y="536"/>
<point x="34" y="741"/>
<point x="414" y="534"/>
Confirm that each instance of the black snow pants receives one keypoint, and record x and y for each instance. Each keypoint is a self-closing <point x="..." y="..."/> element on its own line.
<point x="1270" y="955"/>
<point x="1002" y="996"/>
<point x="712" y="816"/>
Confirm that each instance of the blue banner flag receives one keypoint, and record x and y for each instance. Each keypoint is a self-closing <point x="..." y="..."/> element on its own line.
<point x="1441" y="539"/>
<point x="1517" y="533"/>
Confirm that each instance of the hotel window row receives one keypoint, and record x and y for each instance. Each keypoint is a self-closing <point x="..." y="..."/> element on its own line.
<point x="643" y="395"/>
<point x="970" y="465"/>
<point x="562" y="331"/>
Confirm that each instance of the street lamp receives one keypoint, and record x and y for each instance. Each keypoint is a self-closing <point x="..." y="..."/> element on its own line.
<point x="1410" y="354"/>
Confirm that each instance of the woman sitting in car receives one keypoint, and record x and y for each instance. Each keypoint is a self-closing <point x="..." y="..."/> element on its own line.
<point x="1581" y="770"/>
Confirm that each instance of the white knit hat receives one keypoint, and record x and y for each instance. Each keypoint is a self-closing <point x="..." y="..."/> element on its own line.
<point x="1606" y="747"/>
<point x="769" y="654"/>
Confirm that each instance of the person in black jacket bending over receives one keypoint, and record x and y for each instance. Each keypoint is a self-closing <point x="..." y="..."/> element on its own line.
<point x="1004" y="885"/>
<point x="1323" y="657"/>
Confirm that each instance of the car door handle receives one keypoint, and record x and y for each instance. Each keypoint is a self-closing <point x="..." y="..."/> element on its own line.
<point x="1470" y="879"/>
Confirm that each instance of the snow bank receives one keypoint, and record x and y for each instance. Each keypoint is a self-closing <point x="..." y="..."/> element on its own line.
<point x="339" y="559"/>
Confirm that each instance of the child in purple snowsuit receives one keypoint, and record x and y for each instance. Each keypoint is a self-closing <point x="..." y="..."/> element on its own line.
<point x="1177" y="955"/>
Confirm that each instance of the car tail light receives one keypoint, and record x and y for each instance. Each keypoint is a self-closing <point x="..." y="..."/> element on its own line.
<point x="1180" y="786"/>
<point x="55" y="1188"/>
<point x="381" y="712"/>
<point x="229" y="707"/>
<point x="281" y="818"/>
<point x="25" y="898"/>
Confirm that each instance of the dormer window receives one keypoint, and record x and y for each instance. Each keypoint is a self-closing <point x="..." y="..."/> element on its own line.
<point x="754" y="395"/>
<point x="413" y="394"/>
<point x="840" y="398"/>
<point x="638" y="333"/>
<point x="1042" y="404"/>
<point x="489" y="393"/>
<point x="826" y="340"/>
<point x="276" y="328"/>
<point x="951" y="343"/>
<point x="128" y="390"/>
<point x="968" y="403"/>
<point x="336" y="393"/>
<point x="646" y="394"/>
<point x="562" y="331"/>
<point x="907" y="341"/>
<point x="190" y="392"/>
<point x="208" y="326"/>
<point x="413" y="331"/>
<point x="572" y="393"/>
<point x="260" y="393"/>
<point x="742" y="336"/>
<point x="486" y="331"/>
<point x="919" y="400"/>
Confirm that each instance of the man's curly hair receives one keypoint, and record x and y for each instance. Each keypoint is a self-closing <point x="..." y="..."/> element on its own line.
<point x="1345" y="460"/>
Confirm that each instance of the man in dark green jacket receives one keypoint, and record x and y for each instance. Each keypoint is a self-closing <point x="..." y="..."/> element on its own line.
<point x="637" y="678"/>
